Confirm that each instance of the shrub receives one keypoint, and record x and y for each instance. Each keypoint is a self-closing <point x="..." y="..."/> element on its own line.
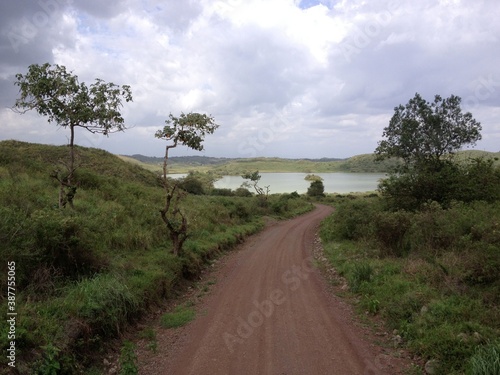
<point x="390" y="231"/>
<point x="280" y="206"/>
<point x="192" y="185"/>
<point x="242" y="192"/>
<point x="128" y="359"/>
<point x="480" y="181"/>
<point x="444" y="183"/>
<point x="222" y="192"/>
<point x="352" y="220"/>
<point x="317" y="189"/>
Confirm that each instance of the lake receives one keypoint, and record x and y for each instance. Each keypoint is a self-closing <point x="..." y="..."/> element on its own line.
<point x="289" y="182"/>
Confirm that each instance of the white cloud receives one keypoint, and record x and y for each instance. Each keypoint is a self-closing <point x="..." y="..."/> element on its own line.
<point x="282" y="77"/>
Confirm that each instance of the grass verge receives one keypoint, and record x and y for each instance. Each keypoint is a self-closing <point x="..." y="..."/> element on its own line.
<point x="431" y="279"/>
<point x="179" y="317"/>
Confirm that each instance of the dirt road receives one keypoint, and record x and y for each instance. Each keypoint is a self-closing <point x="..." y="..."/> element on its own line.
<point x="269" y="313"/>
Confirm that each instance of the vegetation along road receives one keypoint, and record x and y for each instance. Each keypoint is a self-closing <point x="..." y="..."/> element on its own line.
<point x="270" y="313"/>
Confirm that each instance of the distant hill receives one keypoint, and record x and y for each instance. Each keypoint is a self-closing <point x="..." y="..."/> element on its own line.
<point x="364" y="163"/>
<point x="189" y="160"/>
<point x="237" y="166"/>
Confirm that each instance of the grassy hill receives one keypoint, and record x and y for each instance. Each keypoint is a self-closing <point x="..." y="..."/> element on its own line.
<point x="83" y="274"/>
<point x="237" y="166"/>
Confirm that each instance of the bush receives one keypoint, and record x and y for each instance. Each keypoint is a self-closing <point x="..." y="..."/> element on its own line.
<point x="390" y="231"/>
<point x="352" y="220"/>
<point x="317" y="189"/>
<point x="480" y="181"/>
<point x="50" y="244"/>
<point x="280" y="206"/>
<point x="242" y="192"/>
<point x="444" y="183"/>
<point x="222" y="192"/>
<point x="192" y="185"/>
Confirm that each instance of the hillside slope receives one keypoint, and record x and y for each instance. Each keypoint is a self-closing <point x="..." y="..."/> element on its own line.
<point x="83" y="274"/>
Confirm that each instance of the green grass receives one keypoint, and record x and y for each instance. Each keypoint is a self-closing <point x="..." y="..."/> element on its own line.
<point x="128" y="359"/>
<point x="436" y="282"/>
<point x="181" y="316"/>
<point x="485" y="361"/>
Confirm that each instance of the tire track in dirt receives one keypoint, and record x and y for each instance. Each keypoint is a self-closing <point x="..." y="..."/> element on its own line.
<point x="269" y="313"/>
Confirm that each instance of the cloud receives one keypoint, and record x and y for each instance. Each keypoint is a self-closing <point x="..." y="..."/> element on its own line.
<point x="285" y="78"/>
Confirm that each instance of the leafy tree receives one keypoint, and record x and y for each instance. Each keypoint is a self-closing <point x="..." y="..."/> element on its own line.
<point x="424" y="135"/>
<point x="423" y="132"/>
<point x="187" y="130"/>
<point x="316" y="189"/>
<point x="255" y="177"/>
<point x="56" y="93"/>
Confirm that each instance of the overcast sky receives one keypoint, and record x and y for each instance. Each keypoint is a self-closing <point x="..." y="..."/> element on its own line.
<point x="286" y="78"/>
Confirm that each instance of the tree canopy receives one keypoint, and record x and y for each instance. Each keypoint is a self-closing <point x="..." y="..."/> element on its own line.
<point x="187" y="129"/>
<point x="424" y="135"/>
<point x="54" y="92"/>
<point x="423" y="132"/>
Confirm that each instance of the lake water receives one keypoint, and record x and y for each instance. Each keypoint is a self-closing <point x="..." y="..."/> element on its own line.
<point x="289" y="182"/>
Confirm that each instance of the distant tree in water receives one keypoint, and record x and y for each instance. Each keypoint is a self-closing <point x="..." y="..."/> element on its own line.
<point x="313" y="177"/>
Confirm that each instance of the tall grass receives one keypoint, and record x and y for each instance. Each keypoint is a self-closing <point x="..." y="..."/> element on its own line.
<point x="485" y="361"/>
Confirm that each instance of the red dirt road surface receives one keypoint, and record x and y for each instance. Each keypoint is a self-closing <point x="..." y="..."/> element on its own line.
<point x="269" y="313"/>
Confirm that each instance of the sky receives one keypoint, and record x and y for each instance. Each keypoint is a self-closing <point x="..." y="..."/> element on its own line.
<point x="282" y="78"/>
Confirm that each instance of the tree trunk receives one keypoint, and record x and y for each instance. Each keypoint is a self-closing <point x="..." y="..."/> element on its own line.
<point x="66" y="189"/>
<point x="70" y="188"/>
<point x="178" y="234"/>
<point x="71" y="154"/>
